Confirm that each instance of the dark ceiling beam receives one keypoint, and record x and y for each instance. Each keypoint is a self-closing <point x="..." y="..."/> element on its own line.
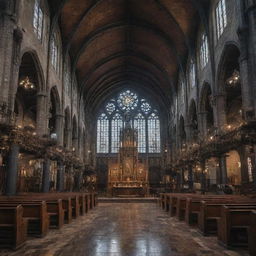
<point x="122" y="24"/>
<point x="120" y="70"/>
<point x="141" y="77"/>
<point x="177" y="25"/>
<point x="127" y="53"/>
<point x="71" y="35"/>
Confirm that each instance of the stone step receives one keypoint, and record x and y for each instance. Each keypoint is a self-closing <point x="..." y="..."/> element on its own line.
<point x="127" y="199"/>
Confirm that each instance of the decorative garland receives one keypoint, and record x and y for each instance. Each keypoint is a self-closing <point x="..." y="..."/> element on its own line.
<point x="41" y="147"/>
<point x="217" y="145"/>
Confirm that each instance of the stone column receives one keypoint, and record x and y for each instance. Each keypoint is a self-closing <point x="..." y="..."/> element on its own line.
<point x="60" y="177"/>
<point x="203" y="180"/>
<point x="190" y="177"/>
<point x="181" y="178"/>
<point x="202" y="121"/>
<point x="11" y="181"/>
<point x="250" y="12"/>
<point x="188" y="130"/>
<point x="223" y="169"/>
<point x="220" y="114"/>
<point x="46" y="176"/>
<point x="41" y="117"/>
<point x="244" y="73"/>
<point x="59" y="128"/>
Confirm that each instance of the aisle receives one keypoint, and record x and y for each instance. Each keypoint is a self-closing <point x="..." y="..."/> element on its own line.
<point x="124" y="229"/>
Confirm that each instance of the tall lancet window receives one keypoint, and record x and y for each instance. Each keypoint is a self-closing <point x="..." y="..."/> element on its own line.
<point x="38" y="20"/>
<point x="116" y="127"/>
<point x="154" y="133"/>
<point x="103" y="134"/>
<point x="140" y="126"/>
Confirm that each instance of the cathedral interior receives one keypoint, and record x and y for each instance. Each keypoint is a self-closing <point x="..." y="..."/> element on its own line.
<point x="127" y="127"/>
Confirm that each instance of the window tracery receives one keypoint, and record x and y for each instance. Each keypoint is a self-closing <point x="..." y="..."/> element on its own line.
<point x="142" y="117"/>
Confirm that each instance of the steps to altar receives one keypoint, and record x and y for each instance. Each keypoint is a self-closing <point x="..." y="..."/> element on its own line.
<point x="127" y="199"/>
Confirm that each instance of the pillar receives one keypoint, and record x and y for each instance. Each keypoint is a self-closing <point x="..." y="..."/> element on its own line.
<point x="250" y="12"/>
<point x="59" y="128"/>
<point x="46" y="176"/>
<point x="190" y="177"/>
<point x="11" y="180"/>
<point x="41" y="120"/>
<point x="220" y="111"/>
<point x="244" y="73"/>
<point x="202" y="121"/>
<point x="203" y="178"/>
<point x="223" y="169"/>
<point x="60" y="177"/>
<point x="181" y="178"/>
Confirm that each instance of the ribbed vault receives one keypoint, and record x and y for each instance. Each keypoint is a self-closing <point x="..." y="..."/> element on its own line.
<point x="116" y="43"/>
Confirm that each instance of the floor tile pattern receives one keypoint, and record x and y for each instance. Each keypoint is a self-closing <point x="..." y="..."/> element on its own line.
<point x="124" y="229"/>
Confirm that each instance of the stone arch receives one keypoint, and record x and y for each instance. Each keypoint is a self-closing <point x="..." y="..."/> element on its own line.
<point x="28" y="103"/>
<point x="229" y="86"/>
<point x="67" y="128"/>
<point x="41" y="85"/>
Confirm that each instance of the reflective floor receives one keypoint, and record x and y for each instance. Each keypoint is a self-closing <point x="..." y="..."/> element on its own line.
<point x="124" y="229"/>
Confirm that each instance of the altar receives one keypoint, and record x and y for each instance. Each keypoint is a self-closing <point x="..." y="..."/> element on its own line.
<point x="128" y="175"/>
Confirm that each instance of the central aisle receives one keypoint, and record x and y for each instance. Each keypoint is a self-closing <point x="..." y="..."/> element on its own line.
<point x="124" y="229"/>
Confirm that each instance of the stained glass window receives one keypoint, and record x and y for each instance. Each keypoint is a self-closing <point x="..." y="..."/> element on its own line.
<point x="142" y="117"/>
<point x="192" y="74"/>
<point x="145" y="107"/>
<point x="38" y="20"/>
<point x="140" y="126"/>
<point x="182" y="90"/>
<point x="154" y="133"/>
<point x="204" y="51"/>
<point x="110" y="108"/>
<point x="54" y="52"/>
<point x="127" y="100"/>
<point x="116" y="127"/>
<point x="221" y="17"/>
<point x="102" y="134"/>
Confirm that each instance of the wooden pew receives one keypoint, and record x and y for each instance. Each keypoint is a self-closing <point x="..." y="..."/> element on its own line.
<point x="210" y="212"/>
<point x="193" y="205"/>
<point x="252" y="234"/>
<point x="233" y="225"/>
<point x="54" y="207"/>
<point x="56" y="213"/>
<point x="35" y="212"/>
<point x="13" y="227"/>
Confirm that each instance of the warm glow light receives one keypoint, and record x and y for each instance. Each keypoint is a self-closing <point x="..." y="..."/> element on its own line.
<point x="26" y="83"/>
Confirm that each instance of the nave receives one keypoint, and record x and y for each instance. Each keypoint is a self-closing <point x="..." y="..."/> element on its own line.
<point x="124" y="229"/>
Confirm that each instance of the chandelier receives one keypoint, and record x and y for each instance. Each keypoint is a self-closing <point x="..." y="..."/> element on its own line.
<point x="234" y="79"/>
<point x="26" y="83"/>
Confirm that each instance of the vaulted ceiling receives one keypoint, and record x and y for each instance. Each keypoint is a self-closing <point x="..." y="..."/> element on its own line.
<point x="135" y="43"/>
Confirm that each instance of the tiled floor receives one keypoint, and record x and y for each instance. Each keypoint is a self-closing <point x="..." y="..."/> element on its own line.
<point x="124" y="229"/>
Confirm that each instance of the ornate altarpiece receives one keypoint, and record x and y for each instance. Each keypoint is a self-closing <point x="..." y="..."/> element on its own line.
<point x="128" y="176"/>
